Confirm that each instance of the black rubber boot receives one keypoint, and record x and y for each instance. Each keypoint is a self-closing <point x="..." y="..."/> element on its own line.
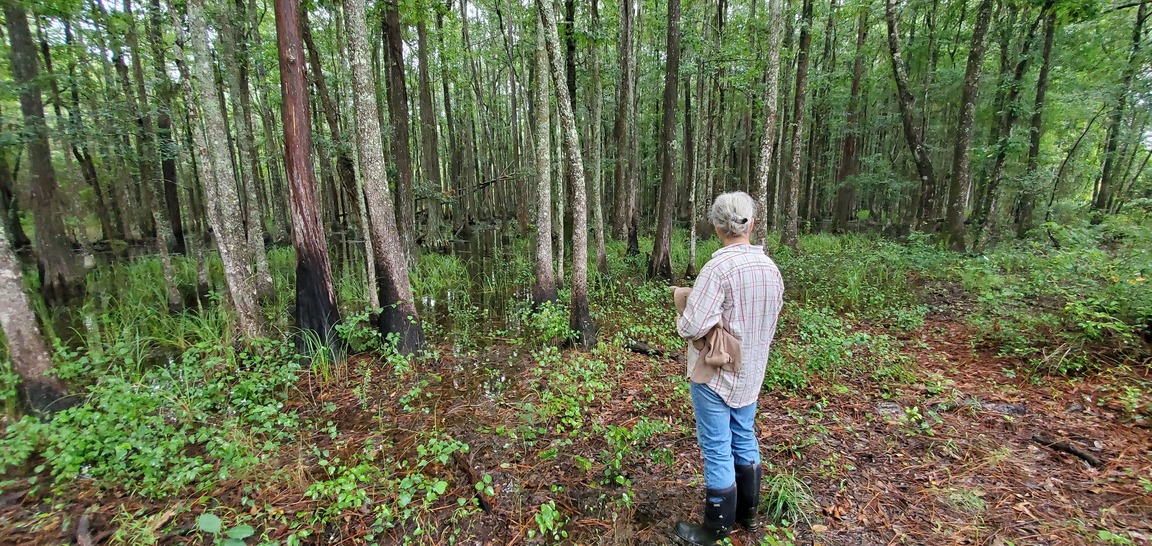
<point x="748" y="480"/>
<point x="719" y="514"/>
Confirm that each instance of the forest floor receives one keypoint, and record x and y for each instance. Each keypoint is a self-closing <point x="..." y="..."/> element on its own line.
<point x="948" y="455"/>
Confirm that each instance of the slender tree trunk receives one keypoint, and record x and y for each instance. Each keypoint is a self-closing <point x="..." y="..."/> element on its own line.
<point x="624" y="123"/>
<point x="690" y="177"/>
<point x="316" y="312"/>
<point x="223" y="202"/>
<point x="167" y="147"/>
<point x="40" y="392"/>
<point x="8" y="206"/>
<point x="544" y="290"/>
<point x="849" y="164"/>
<point x="767" y="151"/>
<point x="398" y="113"/>
<point x="660" y="264"/>
<point x="61" y="279"/>
<point x="581" y="320"/>
<point x="1035" y="130"/>
<point x="450" y="122"/>
<point x="987" y="209"/>
<point x="633" y="248"/>
<point x="962" y="152"/>
<point x="791" y="236"/>
<point x="914" y="136"/>
<point x="398" y="316"/>
<point x="597" y="147"/>
<point x="428" y="136"/>
<point x="1104" y="197"/>
<point x="344" y="166"/>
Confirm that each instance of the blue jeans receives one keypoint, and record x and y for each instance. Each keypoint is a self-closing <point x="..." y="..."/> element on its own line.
<point x="725" y="436"/>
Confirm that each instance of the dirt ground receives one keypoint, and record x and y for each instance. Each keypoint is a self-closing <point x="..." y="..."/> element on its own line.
<point x="953" y="456"/>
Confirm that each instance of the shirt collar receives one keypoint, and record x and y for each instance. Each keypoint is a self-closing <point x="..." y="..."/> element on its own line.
<point x="740" y="248"/>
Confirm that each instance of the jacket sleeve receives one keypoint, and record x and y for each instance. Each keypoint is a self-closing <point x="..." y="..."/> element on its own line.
<point x="704" y="306"/>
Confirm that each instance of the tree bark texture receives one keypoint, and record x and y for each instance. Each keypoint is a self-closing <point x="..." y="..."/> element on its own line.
<point x="624" y="126"/>
<point x="398" y="113"/>
<point x="791" y="236"/>
<point x="660" y="263"/>
<point x="544" y="289"/>
<point x="316" y="312"/>
<point x="597" y="146"/>
<point x="39" y="392"/>
<point x="912" y="134"/>
<point x="1035" y="130"/>
<point x="1108" y="173"/>
<point x="398" y="315"/>
<point x="580" y="320"/>
<point x="849" y="163"/>
<point x="962" y="152"/>
<point x="430" y="157"/>
<point x="61" y="279"/>
<point x="771" y="112"/>
<point x="216" y="175"/>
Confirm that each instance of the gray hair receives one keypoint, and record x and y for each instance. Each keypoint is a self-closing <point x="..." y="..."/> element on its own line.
<point x="732" y="213"/>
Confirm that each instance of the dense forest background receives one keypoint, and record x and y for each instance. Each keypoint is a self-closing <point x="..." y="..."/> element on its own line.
<point x="333" y="268"/>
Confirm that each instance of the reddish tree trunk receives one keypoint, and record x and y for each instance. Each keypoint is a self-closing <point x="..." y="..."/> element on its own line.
<point x="315" y="293"/>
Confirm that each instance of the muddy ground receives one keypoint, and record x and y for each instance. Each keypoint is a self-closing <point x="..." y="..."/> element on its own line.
<point x="952" y="455"/>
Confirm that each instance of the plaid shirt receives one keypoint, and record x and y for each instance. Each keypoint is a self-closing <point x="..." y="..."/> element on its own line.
<point x="743" y="284"/>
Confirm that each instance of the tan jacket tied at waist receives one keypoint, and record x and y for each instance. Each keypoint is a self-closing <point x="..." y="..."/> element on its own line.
<point x="718" y="349"/>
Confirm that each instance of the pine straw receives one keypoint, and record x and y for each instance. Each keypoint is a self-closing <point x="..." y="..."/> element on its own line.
<point x="878" y="479"/>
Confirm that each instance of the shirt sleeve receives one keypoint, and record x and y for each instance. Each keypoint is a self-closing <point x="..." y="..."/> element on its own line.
<point x="704" y="306"/>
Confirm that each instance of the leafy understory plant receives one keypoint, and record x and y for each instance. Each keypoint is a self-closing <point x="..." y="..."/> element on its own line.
<point x="211" y="524"/>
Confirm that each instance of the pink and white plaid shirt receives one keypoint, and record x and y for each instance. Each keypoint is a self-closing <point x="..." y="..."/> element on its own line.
<point x="744" y="285"/>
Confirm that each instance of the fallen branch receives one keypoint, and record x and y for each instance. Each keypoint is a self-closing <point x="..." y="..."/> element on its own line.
<point x="473" y="479"/>
<point x="1067" y="448"/>
<point x="646" y="349"/>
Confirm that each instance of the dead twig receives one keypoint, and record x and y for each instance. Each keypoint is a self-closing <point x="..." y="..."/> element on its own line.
<point x="1067" y="448"/>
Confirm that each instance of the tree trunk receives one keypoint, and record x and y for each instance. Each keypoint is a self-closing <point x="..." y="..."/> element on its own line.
<point x="344" y="167"/>
<point x="771" y="92"/>
<point x="987" y="211"/>
<point x="316" y="312"/>
<point x="690" y="178"/>
<point x="660" y="264"/>
<point x="791" y="236"/>
<point x="1104" y="197"/>
<point x="450" y="122"/>
<point x="1035" y="130"/>
<point x="398" y="314"/>
<point x="597" y="147"/>
<point x="914" y="136"/>
<point x="544" y="290"/>
<point x="849" y="164"/>
<point x="8" y="207"/>
<point x="962" y="152"/>
<point x="398" y="113"/>
<point x="428" y="136"/>
<point x="625" y="125"/>
<point x="580" y="320"/>
<point x="167" y="147"/>
<point x="61" y="279"/>
<point x="40" y="392"/>
<point x="223" y="202"/>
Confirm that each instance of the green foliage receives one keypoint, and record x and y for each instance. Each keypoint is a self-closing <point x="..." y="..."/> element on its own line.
<point x="827" y="345"/>
<point x="1063" y="307"/>
<point x="211" y="413"/>
<point x="547" y="324"/>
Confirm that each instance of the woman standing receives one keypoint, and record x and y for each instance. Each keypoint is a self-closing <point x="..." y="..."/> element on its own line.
<point x="742" y="286"/>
